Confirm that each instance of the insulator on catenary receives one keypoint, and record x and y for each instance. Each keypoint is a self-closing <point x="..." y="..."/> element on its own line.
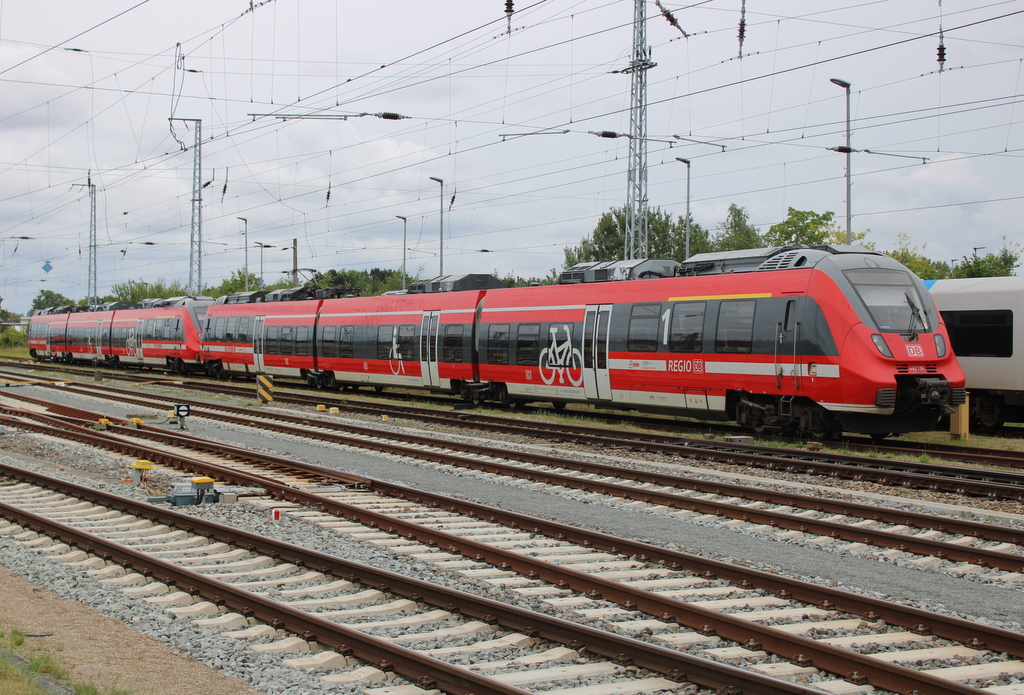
<point x="942" y="56"/>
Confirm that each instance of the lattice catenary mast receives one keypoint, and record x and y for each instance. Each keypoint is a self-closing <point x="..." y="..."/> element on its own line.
<point x="195" y="248"/>
<point x="636" y="205"/>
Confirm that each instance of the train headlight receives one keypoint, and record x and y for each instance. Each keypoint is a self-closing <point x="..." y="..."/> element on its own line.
<point x="940" y="345"/>
<point x="879" y="342"/>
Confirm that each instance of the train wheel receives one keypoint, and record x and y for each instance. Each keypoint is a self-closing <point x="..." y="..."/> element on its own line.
<point x="879" y="437"/>
<point x="378" y="389"/>
<point x="559" y="405"/>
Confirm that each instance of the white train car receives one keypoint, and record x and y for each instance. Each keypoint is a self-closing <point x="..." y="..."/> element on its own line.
<point x="985" y="321"/>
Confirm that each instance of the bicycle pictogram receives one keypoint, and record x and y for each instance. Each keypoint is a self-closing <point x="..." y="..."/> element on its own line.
<point x="561" y="360"/>
<point x="395" y="356"/>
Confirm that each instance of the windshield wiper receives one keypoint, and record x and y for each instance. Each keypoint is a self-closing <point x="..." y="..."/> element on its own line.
<point x="915" y="315"/>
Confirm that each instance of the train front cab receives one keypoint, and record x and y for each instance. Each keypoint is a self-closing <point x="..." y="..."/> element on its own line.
<point x="898" y="370"/>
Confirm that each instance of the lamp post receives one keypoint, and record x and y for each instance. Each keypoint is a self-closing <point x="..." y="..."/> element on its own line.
<point x="404" y="228"/>
<point x="245" y="235"/>
<point x="262" y="246"/>
<point x="687" y="163"/>
<point x="441" y="254"/>
<point x="848" y="149"/>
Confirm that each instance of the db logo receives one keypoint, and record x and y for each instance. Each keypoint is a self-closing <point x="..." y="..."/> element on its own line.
<point x="915" y="351"/>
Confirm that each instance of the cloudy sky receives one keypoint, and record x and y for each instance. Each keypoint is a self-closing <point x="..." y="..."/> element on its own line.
<point x="504" y="118"/>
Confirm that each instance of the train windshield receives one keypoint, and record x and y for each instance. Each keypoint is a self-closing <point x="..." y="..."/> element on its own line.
<point x="892" y="299"/>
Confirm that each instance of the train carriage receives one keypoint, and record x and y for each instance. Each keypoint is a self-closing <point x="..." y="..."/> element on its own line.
<point x="260" y="337"/>
<point x="421" y="340"/>
<point x="983" y="316"/>
<point x="815" y="340"/>
<point x="47" y="334"/>
<point x="164" y="335"/>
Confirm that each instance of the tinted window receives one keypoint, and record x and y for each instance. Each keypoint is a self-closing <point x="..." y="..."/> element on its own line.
<point x="528" y="344"/>
<point x="891" y="298"/>
<point x="272" y="344"/>
<point x="980" y="333"/>
<point x="407" y="342"/>
<point x="346" y="341"/>
<point x="302" y="340"/>
<point x="243" y="335"/>
<point x="735" y="326"/>
<point x="329" y="341"/>
<point x="497" y="343"/>
<point x="687" y="331"/>
<point x="643" y="328"/>
<point x="385" y="337"/>
<point x="451" y="350"/>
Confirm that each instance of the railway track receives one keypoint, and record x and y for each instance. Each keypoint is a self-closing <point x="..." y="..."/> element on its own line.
<point x="670" y="586"/>
<point x="546" y="581"/>
<point x="411" y="406"/>
<point x="959" y="480"/>
<point x="953" y="542"/>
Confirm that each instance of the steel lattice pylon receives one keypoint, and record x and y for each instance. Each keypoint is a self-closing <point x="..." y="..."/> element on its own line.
<point x="195" y="248"/>
<point x="636" y="205"/>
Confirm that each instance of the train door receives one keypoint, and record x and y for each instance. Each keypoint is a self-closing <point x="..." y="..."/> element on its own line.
<point x="428" y="348"/>
<point x="258" y="338"/>
<point x="787" y="337"/>
<point x="97" y="349"/>
<point x="140" y="334"/>
<point x="596" y="327"/>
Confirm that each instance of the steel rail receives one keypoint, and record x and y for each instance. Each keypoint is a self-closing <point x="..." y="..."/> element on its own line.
<point x="944" y="478"/>
<point x="919" y="520"/>
<point x="800" y="649"/>
<point x="625" y="650"/>
<point x="1009" y="562"/>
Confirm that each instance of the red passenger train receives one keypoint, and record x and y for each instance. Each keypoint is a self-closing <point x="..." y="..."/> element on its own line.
<point x="816" y="341"/>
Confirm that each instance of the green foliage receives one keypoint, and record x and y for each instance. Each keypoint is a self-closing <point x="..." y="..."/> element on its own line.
<point x="236" y="283"/>
<point x="736" y="232"/>
<point x="666" y="238"/>
<point x="371" y="282"/>
<point x="922" y="266"/>
<point x="12" y="337"/>
<point x="990" y="265"/>
<point x="809" y="228"/>
<point x="135" y="291"/>
<point x="513" y="280"/>
<point x="48" y="298"/>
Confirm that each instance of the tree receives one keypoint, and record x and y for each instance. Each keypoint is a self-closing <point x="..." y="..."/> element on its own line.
<point x="47" y="299"/>
<point x="991" y="264"/>
<point x="12" y="337"/>
<point x="666" y="238"/>
<point x="922" y="266"/>
<point x="370" y="282"/>
<point x="809" y="228"/>
<point x="736" y="232"/>
<point x="135" y="291"/>
<point x="236" y="283"/>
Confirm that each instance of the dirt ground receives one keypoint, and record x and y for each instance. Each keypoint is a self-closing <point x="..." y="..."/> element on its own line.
<point x="101" y="651"/>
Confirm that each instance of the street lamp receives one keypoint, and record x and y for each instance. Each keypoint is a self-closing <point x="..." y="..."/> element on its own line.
<point x="262" y="246"/>
<point x="245" y="234"/>
<point x="687" y="163"/>
<point x="404" y="227"/>
<point x="848" y="149"/>
<point x="441" y="254"/>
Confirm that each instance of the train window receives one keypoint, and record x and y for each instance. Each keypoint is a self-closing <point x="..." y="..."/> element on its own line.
<point x="497" y="343"/>
<point x="891" y="298"/>
<point x="790" y="319"/>
<point x="346" y="341"/>
<point x="643" y="328"/>
<point x="451" y="349"/>
<point x="302" y="340"/>
<point x="980" y="333"/>
<point x="272" y="343"/>
<point x="328" y="341"/>
<point x="686" y="333"/>
<point x="588" y="340"/>
<point x="231" y="331"/>
<point x="735" y="326"/>
<point x="287" y="345"/>
<point x="243" y="330"/>
<point x="385" y="338"/>
<point x="407" y="342"/>
<point x="528" y="344"/>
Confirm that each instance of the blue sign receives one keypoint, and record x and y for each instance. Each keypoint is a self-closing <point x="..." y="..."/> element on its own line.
<point x="47" y="267"/>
